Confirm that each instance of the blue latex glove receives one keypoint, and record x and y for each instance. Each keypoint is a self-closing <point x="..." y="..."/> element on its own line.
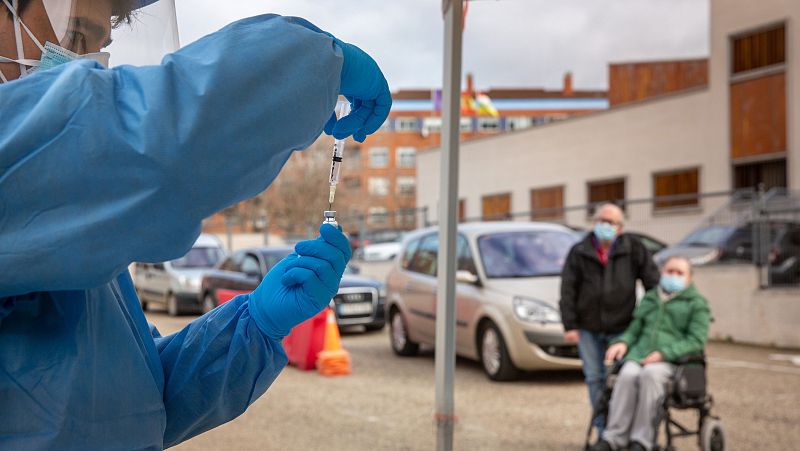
<point x="365" y="87"/>
<point x="302" y="284"/>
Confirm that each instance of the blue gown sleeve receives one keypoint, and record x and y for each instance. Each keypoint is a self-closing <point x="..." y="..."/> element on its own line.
<point x="214" y="369"/>
<point x="100" y="168"/>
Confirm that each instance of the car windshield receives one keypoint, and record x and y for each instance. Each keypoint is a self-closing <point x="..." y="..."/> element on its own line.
<point x="708" y="236"/>
<point x="199" y="257"/>
<point x="524" y="254"/>
<point x="272" y="258"/>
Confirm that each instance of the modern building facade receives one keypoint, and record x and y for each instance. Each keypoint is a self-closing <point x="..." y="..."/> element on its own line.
<point x="668" y="133"/>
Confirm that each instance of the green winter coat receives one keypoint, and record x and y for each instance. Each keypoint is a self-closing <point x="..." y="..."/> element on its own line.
<point x="676" y="328"/>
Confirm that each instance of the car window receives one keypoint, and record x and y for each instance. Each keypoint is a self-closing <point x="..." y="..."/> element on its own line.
<point x="525" y="253"/>
<point x="408" y="253"/>
<point x="464" y="256"/>
<point x="712" y="236"/>
<point x="424" y="261"/>
<point x="250" y="265"/>
<point x="199" y="257"/>
<point x="272" y="258"/>
<point x="233" y="263"/>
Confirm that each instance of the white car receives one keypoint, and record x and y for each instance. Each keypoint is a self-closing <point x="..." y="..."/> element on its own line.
<point x="176" y="283"/>
<point x="509" y="279"/>
<point x="381" y="251"/>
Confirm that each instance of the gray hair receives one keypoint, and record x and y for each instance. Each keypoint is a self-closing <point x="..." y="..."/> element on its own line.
<point x="682" y="258"/>
<point x="609" y="204"/>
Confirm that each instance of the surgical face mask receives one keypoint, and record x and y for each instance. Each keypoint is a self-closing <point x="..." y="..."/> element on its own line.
<point x="52" y="54"/>
<point x="672" y="284"/>
<point x="605" y="231"/>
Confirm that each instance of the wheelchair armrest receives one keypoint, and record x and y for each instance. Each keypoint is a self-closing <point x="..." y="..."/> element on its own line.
<point x="692" y="359"/>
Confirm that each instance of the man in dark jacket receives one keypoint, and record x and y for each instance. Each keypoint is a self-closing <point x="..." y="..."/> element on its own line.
<point x="598" y="291"/>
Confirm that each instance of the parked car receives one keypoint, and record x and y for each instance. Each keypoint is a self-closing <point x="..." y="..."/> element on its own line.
<point x="380" y="252"/>
<point x="508" y="277"/>
<point x="176" y="283"/>
<point x="359" y="302"/>
<point x="720" y="243"/>
<point x="784" y="256"/>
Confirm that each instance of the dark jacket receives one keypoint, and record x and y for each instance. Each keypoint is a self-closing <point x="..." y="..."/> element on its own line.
<point x="675" y="327"/>
<point x="601" y="298"/>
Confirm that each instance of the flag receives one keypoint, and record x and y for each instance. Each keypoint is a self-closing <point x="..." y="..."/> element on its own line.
<point x="485" y="106"/>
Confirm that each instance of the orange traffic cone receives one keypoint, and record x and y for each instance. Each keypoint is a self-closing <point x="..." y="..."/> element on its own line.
<point x="333" y="360"/>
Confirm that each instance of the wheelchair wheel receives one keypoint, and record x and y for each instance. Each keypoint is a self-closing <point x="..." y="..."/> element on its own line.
<point x="712" y="436"/>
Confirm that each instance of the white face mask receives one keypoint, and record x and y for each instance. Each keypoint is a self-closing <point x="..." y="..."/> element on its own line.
<point x="52" y="55"/>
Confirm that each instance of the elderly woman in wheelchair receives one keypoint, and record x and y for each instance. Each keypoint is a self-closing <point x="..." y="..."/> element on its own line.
<point x="670" y="323"/>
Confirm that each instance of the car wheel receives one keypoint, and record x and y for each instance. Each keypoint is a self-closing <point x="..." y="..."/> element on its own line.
<point x="494" y="355"/>
<point x="401" y="344"/>
<point x="172" y="305"/>
<point x="209" y="303"/>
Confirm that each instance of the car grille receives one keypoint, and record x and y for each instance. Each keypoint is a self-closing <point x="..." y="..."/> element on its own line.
<point x="352" y="297"/>
<point x="568" y="351"/>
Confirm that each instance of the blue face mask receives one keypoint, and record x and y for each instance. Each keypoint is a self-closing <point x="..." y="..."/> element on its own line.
<point x="605" y="231"/>
<point x="673" y="284"/>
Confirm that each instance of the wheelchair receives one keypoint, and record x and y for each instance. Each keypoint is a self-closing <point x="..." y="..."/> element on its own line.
<point x="685" y="390"/>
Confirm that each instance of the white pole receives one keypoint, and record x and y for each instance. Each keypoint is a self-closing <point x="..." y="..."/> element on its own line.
<point x="448" y="195"/>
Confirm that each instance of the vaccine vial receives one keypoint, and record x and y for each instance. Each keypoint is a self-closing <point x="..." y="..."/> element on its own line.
<point x="330" y="218"/>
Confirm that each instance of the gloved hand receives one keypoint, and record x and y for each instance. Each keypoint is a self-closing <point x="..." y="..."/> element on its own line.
<point x="363" y="84"/>
<point x="302" y="284"/>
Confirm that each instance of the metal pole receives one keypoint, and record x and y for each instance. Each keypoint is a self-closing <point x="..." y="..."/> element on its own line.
<point x="448" y="219"/>
<point x="266" y="229"/>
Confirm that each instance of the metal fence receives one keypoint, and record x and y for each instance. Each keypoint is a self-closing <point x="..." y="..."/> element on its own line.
<point x="750" y="226"/>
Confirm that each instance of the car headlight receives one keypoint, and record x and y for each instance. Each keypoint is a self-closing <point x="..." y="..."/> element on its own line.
<point x="535" y="311"/>
<point x="382" y="293"/>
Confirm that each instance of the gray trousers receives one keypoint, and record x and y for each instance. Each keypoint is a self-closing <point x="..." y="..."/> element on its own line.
<point x="634" y="403"/>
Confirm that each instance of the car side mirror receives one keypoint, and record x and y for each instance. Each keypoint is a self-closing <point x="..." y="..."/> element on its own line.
<point x="466" y="277"/>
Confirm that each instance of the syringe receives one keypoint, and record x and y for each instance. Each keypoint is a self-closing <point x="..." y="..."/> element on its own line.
<point x="342" y="109"/>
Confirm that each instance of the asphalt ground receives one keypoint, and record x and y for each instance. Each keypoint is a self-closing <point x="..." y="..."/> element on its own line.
<point x="388" y="403"/>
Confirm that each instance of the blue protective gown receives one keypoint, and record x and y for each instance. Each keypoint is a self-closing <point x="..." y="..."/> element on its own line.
<point x="99" y="168"/>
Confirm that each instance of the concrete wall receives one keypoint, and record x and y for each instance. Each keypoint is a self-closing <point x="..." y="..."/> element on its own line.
<point x="745" y="313"/>
<point x="631" y="141"/>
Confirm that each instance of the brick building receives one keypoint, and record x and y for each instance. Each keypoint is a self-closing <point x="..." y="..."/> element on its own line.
<point x="385" y="168"/>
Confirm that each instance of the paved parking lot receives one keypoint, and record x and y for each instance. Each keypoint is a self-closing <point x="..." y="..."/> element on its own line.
<point x="388" y="404"/>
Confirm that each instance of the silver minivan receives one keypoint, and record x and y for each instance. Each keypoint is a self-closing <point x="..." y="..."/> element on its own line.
<point x="176" y="283"/>
<point x="507" y="315"/>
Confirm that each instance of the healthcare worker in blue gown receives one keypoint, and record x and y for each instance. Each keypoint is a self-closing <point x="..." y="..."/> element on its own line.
<point x="102" y="167"/>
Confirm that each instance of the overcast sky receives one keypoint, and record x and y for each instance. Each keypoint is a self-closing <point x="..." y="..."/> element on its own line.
<point x="507" y="42"/>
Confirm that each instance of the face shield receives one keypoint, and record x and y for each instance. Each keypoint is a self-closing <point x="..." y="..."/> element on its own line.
<point x="41" y="34"/>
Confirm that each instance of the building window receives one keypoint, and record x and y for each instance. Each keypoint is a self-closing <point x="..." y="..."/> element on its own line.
<point x="466" y="124"/>
<point x="407" y="218"/>
<point x="758" y="116"/>
<point x="606" y="191"/>
<point x="547" y="203"/>
<point x="431" y="125"/>
<point x="352" y="182"/>
<point x="760" y="49"/>
<point x="496" y="207"/>
<point x="406" y="186"/>
<point x="518" y="123"/>
<point x="406" y="157"/>
<point x="406" y="124"/>
<point x="677" y="183"/>
<point x="378" y="157"/>
<point x="378" y="216"/>
<point x="353" y="153"/>
<point x="488" y="124"/>
<point x="378" y="186"/>
<point x="386" y="126"/>
<point x="772" y="174"/>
